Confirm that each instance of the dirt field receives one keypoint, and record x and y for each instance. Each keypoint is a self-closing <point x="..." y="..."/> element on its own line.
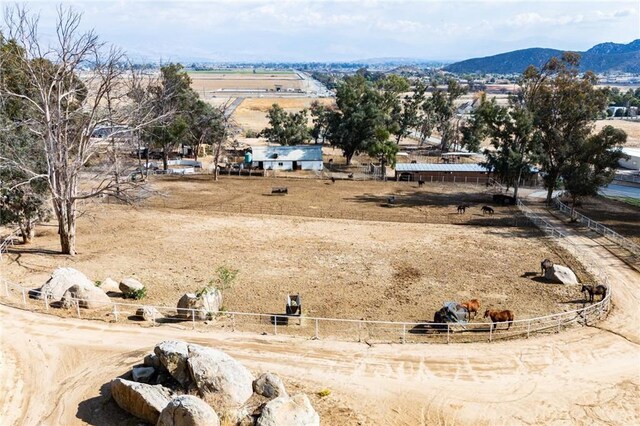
<point x="632" y="128"/>
<point x="251" y="114"/>
<point x="342" y="268"/>
<point x="215" y="81"/>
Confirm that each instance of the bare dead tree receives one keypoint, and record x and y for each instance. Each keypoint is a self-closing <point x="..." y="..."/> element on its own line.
<point x="76" y="84"/>
<point x="228" y="128"/>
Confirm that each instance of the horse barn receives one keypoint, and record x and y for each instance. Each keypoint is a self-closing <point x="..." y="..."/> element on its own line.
<point x="296" y="157"/>
<point x="426" y="172"/>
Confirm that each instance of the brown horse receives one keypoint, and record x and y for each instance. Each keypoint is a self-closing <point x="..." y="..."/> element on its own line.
<point x="472" y="305"/>
<point x="499" y="316"/>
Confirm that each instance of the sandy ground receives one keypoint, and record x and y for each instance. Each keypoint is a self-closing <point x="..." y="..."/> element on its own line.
<point x="343" y="268"/>
<point x="53" y="368"/>
<point x="213" y="82"/>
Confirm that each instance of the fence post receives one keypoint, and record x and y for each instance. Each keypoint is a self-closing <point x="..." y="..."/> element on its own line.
<point x="46" y="301"/>
<point x="153" y="317"/>
<point x="233" y="322"/>
<point x="359" y="331"/>
<point x="447" y="333"/>
<point x="115" y="311"/>
<point x="404" y="332"/>
<point x="78" y="307"/>
<point x="528" y="329"/>
<point x="316" y="336"/>
<point x="490" y="332"/>
<point x="193" y="318"/>
<point x="6" y="288"/>
<point x="275" y="325"/>
<point x="24" y="297"/>
<point x="559" y="319"/>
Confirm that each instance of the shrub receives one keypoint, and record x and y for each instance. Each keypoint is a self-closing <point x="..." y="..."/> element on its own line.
<point x="324" y="392"/>
<point x="98" y="283"/>
<point x="136" y="294"/>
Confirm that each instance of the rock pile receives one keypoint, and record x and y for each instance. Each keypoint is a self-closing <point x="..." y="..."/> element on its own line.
<point x="183" y="384"/>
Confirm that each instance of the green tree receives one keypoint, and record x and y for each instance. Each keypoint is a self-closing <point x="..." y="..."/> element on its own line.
<point x="174" y="100"/>
<point x="510" y="130"/>
<point x="440" y="113"/>
<point x="320" y="117"/>
<point x="286" y="128"/>
<point x="359" y="120"/>
<point x="592" y="162"/>
<point x="385" y="151"/>
<point x="564" y="106"/>
<point x="409" y="116"/>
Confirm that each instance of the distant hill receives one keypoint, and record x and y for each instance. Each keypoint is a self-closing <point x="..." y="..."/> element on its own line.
<point x="604" y="57"/>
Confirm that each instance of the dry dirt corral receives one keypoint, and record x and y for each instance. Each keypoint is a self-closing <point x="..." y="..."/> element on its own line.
<point x="342" y="268"/>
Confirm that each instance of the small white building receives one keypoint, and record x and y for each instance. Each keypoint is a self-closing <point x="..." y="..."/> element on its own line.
<point x="296" y="157"/>
<point x="633" y="162"/>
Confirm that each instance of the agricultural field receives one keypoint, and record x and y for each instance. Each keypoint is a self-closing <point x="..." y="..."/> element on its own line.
<point x="351" y="267"/>
<point x="228" y="81"/>
<point x="632" y="128"/>
<point x="251" y="114"/>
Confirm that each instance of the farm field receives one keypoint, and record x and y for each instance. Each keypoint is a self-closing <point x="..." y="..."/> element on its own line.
<point x="343" y="268"/>
<point x="251" y="114"/>
<point x="632" y="128"/>
<point x="244" y="81"/>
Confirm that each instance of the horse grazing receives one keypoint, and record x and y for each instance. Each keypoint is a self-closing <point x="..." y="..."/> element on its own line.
<point x="420" y="183"/>
<point x="462" y="208"/>
<point x="471" y="306"/>
<point x="499" y="316"/>
<point x="333" y="180"/>
<point x="594" y="290"/>
<point x="487" y="209"/>
<point x="544" y="265"/>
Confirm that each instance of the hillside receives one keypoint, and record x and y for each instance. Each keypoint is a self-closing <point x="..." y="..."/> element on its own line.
<point x="604" y="57"/>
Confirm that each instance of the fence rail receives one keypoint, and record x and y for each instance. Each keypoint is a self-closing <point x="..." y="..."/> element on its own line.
<point x="8" y="241"/>
<point x="310" y="327"/>
<point x="612" y="235"/>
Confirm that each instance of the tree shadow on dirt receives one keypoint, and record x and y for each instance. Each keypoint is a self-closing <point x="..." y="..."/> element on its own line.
<point x="425" y="198"/>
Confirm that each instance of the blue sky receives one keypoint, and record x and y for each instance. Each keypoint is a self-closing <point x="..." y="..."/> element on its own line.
<point x="342" y="30"/>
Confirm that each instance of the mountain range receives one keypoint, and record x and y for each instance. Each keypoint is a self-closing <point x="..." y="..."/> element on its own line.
<point x="601" y="58"/>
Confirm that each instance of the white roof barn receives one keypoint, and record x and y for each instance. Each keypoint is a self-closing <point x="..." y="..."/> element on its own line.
<point x="296" y="157"/>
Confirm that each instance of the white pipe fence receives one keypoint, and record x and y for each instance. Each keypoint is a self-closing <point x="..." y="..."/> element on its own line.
<point x="8" y="241"/>
<point x="599" y="228"/>
<point x="311" y="327"/>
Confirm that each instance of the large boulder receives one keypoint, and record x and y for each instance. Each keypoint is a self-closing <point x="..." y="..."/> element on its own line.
<point x="218" y="377"/>
<point x="173" y="356"/>
<point x="211" y="300"/>
<point x="141" y="400"/>
<point x="60" y="281"/>
<point x="110" y="285"/>
<point x="129" y="285"/>
<point x="191" y="306"/>
<point x="87" y="295"/>
<point x="269" y="385"/>
<point x="188" y="410"/>
<point x="560" y="274"/>
<point x="291" y="411"/>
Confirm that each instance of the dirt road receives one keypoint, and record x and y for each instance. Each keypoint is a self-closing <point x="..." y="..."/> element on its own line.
<point x="53" y="368"/>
